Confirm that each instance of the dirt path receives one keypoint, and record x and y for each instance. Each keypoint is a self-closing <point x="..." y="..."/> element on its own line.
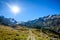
<point x="30" y="37"/>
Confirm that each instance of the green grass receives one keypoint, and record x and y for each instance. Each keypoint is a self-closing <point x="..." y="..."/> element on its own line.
<point x="7" y="33"/>
<point x="39" y="35"/>
<point x="22" y="33"/>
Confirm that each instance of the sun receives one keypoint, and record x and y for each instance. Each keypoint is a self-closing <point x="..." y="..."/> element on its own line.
<point x="15" y="9"/>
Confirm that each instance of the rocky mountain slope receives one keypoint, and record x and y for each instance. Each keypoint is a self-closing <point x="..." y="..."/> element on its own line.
<point x="7" y="21"/>
<point x="50" y="22"/>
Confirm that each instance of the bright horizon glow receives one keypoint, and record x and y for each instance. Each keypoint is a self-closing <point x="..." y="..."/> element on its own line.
<point x="15" y="9"/>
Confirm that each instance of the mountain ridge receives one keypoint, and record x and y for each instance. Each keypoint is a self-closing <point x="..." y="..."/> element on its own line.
<point x="50" y="22"/>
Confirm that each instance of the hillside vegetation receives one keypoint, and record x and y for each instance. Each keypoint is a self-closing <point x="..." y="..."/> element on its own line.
<point x="23" y="33"/>
<point x="8" y="33"/>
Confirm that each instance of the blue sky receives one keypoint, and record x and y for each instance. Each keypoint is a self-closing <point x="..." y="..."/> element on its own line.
<point x="30" y="9"/>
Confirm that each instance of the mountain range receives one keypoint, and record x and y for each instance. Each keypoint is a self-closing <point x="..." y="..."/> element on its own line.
<point x="7" y="21"/>
<point x="51" y="22"/>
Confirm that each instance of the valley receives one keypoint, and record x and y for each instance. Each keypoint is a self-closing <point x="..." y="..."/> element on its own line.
<point x="24" y="33"/>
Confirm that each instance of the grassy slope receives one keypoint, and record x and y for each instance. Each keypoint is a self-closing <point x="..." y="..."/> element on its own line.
<point x="42" y="36"/>
<point x="22" y="33"/>
<point x="7" y="33"/>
